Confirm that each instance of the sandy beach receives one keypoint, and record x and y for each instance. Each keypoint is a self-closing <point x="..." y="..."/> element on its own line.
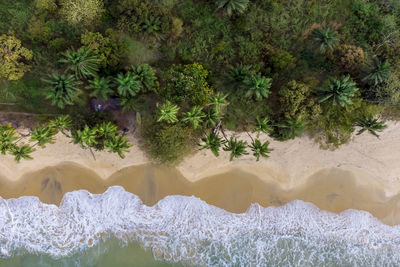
<point x="363" y="174"/>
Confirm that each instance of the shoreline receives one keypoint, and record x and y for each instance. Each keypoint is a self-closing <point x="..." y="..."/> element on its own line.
<point x="366" y="167"/>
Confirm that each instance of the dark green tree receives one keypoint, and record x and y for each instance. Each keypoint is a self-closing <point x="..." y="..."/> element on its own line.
<point x="257" y="85"/>
<point x="127" y="84"/>
<point x="339" y="91"/>
<point x="63" y="90"/>
<point x="376" y="73"/>
<point x="260" y="149"/>
<point x="371" y="125"/>
<point x="232" y="6"/>
<point x="101" y="87"/>
<point x="83" y="62"/>
<point x="324" y="39"/>
<point x="146" y="75"/>
<point x="213" y="142"/>
<point x="237" y="148"/>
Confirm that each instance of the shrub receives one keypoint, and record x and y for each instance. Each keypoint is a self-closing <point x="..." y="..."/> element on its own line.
<point x="84" y="12"/>
<point x="45" y="5"/>
<point x="349" y="58"/>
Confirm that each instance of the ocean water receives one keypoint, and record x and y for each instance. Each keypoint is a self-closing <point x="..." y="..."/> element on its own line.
<point x="116" y="229"/>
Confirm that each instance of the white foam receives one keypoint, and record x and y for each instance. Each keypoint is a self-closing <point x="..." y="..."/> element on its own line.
<point x="188" y="230"/>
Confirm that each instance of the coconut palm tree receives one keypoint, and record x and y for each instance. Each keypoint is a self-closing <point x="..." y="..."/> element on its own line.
<point x="62" y="123"/>
<point x="21" y="152"/>
<point x="371" y="125"/>
<point x="87" y="137"/>
<point x="167" y="112"/>
<point x="339" y="91"/>
<point x="63" y="90"/>
<point x="127" y="84"/>
<point x="219" y="101"/>
<point x="290" y="129"/>
<point x="378" y="72"/>
<point x="212" y="118"/>
<point x="194" y="116"/>
<point x="263" y="125"/>
<point x="236" y="75"/>
<point x="7" y="138"/>
<point x="260" y="149"/>
<point x="107" y="130"/>
<point x="232" y="6"/>
<point x="118" y="144"/>
<point x="43" y="135"/>
<point x="213" y="142"/>
<point x="324" y="39"/>
<point x="237" y="148"/>
<point x="101" y="87"/>
<point x="257" y="85"/>
<point x="146" y="75"/>
<point x="83" y="62"/>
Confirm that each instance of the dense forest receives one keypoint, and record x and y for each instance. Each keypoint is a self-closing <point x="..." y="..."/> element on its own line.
<point x="191" y="69"/>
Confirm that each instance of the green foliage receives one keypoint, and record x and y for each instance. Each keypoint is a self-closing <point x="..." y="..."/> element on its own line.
<point x="167" y="112"/>
<point x="146" y="75"/>
<point x="82" y="62"/>
<point x="194" y="116"/>
<point x="7" y="138"/>
<point x="260" y="149"/>
<point x="118" y="144"/>
<point x="63" y="89"/>
<point x="62" y="123"/>
<point x="288" y="129"/>
<point x="101" y="87"/>
<point x="85" y="12"/>
<point x="21" y="152"/>
<point x="371" y="125"/>
<point x="263" y="125"/>
<point x="257" y="85"/>
<point x="219" y="102"/>
<point x="350" y="58"/>
<point x="108" y="48"/>
<point x="339" y="91"/>
<point x="186" y="83"/>
<point x="236" y="76"/>
<point x="376" y="73"/>
<point x="43" y="135"/>
<point x="213" y="142"/>
<point x="127" y="84"/>
<point x="237" y="148"/>
<point x="324" y="39"/>
<point x="45" y="5"/>
<point x="13" y="58"/>
<point x="232" y="6"/>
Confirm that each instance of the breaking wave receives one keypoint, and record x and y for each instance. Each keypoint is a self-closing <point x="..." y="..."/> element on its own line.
<point x="190" y="231"/>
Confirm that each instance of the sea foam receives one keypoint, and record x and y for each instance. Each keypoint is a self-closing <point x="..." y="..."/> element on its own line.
<point x="188" y="230"/>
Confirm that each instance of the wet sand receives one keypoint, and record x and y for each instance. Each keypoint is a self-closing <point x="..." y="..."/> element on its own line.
<point x="330" y="189"/>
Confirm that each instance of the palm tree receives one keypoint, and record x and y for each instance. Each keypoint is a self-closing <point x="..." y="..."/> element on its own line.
<point x="83" y="62"/>
<point x="324" y="39"/>
<point x="232" y="6"/>
<point x="107" y="130"/>
<point x="212" y="118"/>
<point x="87" y="136"/>
<point x="219" y="101"/>
<point x="63" y="90"/>
<point x="263" y="126"/>
<point x="62" y="123"/>
<point x="371" y="125"/>
<point x="7" y="138"/>
<point x="101" y="87"/>
<point x="259" y="149"/>
<point x="43" y="135"/>
<point x="129" y="104"/>
<point x="213" y="142"/>
<point x="257" y="85"/>
<point x="128" y="84"/>
<point x="21" y="152"/>
<point x="167" y="112"/>
<point x="377" y="73"/>
<point x="118" y="144"/>
<point x="290" y="129"/>
<point x="145" y="74"/>
<point x="339" y="91"/>
<point x="194" y="116"/>
<point x="237" y="148"/>
<point x="236" y="75"/>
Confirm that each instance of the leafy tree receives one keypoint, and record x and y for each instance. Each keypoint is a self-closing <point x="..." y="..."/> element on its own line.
<point x="371" y="125"/>
<point x="350" y="58"/>
<point x="339" y="91"/>
<point x="146" y="75"/>
<point x="127" y="84"/>
<point x="43" y="134"/>
<point x="236" y="75"/>
<point x="82" y="62"/>
<point x="257" y="85"/>
<point x="378" y="72"/>
<point x="219" y="101"/>
<point x="194" y="116"/>
<point x="324" y="39"/>
<point x="232" y="6"/>
<point x="118" y="144"/>
<point x="7" y="138"/>
<point x="22" y="152"/>
<point x="108" y="48"/>
<point x="85" y="12"/>
<point x="263" y="125"/>
<point x="213" y="142"/>
<point x="167" y="112"/>
<point x="13" y="58"/>
<point x="101" y="87"/>
<point x="187" y="83"/>
<point x="260" y="149"/>
<point x="62" y="123"/>
<point x="63" y="90"/>
<point x="237" y="148"/>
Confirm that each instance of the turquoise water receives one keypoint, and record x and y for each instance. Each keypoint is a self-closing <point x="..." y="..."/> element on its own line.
<point x="111" y="229"/>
